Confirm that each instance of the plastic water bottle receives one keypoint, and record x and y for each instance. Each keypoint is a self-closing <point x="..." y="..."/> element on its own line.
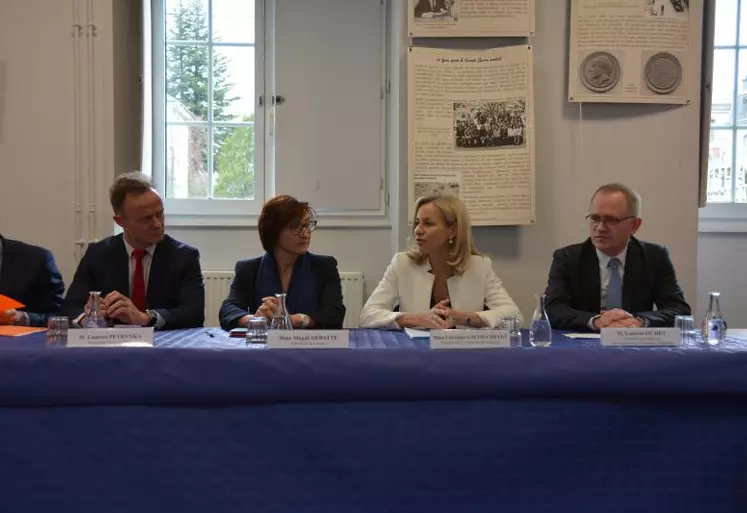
<point x="540" y="332"/>
<point x="713" y="328"/>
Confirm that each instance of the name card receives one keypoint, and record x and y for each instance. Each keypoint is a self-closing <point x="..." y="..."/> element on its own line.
<point x="308" y="339"/>
<point x="110" y="337"/>
<point x="640" y="337"/>
<point x="469" y="339"/>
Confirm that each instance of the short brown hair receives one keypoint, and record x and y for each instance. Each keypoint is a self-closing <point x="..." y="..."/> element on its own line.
<point x="633" y="198"/>
<point x="277" y="214"/>
<point x="127" y="183"/>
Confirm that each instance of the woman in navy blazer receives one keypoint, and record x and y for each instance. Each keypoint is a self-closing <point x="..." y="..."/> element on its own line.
<point x="311" y="282"/>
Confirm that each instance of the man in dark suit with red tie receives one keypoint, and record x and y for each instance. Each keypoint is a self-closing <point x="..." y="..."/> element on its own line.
<point x="145" y="277"/>
<point x="29" y="275"/>
<point x="613" y="279"/>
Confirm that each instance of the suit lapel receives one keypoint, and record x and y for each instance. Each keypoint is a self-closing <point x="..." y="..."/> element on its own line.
<point x="591" y="279"/>
<point x="633" y="270"/>
<point x="157" y="272"/>
<point x="121" y="265"/>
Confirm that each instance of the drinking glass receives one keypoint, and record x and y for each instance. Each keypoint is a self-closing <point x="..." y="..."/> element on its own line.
<point x="686" y="324"/>
<point x="513" y="326"/>
<point x="256" y="330"/>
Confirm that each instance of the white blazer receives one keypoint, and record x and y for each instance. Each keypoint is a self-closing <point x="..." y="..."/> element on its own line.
<point x="409" y="285"/>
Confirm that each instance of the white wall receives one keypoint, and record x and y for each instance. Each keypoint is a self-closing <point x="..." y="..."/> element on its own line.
<point x="654" y="149"/>
<point x="721" y="267"/>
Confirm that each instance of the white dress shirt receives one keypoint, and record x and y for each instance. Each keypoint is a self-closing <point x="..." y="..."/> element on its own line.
<point x="147" y="261"/>
<point x="409" y="285"/>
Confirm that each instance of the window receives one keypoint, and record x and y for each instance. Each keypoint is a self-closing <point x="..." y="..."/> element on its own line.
<point x="251" y="98"/>
<point x="206" y="84"/>
<point x="727" y="151"/>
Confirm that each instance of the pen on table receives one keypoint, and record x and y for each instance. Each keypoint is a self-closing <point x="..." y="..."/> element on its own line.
<point x="209" y="334"/>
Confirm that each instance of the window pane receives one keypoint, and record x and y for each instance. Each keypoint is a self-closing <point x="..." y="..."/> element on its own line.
<point x="233" y="83"/>
<point x="186" y="161"/>
<point x="726" y="23"/>
<point x="723" y="87"/>
<point x="186" y="20"/>
<point x="233" y="21"/>
<point x="741" y="106"/>
<point x="742" y="21"/>
<point x="186" y="83"/>
<point x="234" y="162"/>
<point x="719" y="166"/>
<point x="739" y="176"/>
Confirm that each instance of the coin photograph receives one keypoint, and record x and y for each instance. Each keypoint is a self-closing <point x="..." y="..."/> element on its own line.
<point x="599" y="72"/>
<point x="662" y="74"/>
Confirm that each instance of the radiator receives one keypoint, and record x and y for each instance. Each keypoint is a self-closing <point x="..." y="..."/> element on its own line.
<point x="218" y="283"/>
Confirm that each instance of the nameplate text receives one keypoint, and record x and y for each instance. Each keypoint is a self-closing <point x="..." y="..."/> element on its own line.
<point x="308" y="339"/>
<point x="110" y="337"/>
<point x="640" y="337"/>
<point x="469" y="339"/>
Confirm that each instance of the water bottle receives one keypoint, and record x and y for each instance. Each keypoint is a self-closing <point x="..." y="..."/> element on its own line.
<point x="540" y="333"/>
<point x="93" y="318"/>
<point x="713" y="328"/>
<point x="280" y="319"/>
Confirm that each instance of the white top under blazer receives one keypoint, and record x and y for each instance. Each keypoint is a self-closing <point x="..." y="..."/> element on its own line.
<point x="409" y="285"/>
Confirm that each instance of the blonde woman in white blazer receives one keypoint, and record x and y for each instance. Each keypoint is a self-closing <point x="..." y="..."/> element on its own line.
<point x="441" y="282"/>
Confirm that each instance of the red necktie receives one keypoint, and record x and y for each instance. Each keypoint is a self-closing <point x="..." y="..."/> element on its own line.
<point x="138" y="281"/>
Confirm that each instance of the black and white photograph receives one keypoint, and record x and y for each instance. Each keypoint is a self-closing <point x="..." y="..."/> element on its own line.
<point x="482" y="124"/>
<point x="435" y="10"/>
<point x="667" y="8"/>
<point x="437" y="185"/>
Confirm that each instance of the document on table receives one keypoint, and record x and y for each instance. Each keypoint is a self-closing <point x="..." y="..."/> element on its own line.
<point x="18" y="331"/>
<point x="582" y="335"/>
<point x="8" y="303"/>
<point x="413" y="333"/>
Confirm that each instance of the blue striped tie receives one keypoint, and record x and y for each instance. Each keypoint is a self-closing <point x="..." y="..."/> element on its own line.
<point x="614" y="289"/>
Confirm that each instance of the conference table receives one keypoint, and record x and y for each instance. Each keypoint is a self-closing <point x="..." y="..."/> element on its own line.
<point x="203" y="422"/>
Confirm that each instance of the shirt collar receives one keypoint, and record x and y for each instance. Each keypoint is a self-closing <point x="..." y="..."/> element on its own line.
<point x="149" y="250"/>
<point x="604" y="259"/>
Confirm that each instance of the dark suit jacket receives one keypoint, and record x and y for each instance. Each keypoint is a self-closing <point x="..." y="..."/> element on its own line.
<point x="330" y="312"/>
<point x="30" y="275"/>
<point x="574" y="286"/>
<point x="175" y="286"/>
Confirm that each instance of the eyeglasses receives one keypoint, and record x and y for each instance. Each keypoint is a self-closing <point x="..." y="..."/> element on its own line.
<point x="297" y="227"/>
<point x="607" y="220"/>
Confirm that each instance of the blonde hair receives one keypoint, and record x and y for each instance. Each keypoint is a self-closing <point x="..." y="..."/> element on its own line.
<point x="455" y="214"/>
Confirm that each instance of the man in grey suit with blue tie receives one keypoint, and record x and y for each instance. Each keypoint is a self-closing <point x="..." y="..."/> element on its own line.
<point x="613" y="279"/>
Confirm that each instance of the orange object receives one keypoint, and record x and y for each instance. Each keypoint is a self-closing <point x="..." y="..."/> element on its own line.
<point x="18" y="331"/>
<point x="7" y="303"/>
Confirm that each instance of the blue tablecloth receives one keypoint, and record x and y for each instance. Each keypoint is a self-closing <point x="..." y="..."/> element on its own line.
<point x="574" y="427"/>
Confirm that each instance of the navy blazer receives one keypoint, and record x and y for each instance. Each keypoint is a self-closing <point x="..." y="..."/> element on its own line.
<point x="175" y="286"/>
<point x="330" y="312"/>
<point x="29" y="275"/>
<point x="574" y="286"/>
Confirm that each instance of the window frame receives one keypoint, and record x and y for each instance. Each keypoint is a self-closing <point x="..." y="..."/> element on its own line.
<point x="203" y="211"/>
<point x="720" y="217"/>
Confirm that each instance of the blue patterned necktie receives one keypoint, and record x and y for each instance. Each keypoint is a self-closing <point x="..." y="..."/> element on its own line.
<point x="614" y="289"/>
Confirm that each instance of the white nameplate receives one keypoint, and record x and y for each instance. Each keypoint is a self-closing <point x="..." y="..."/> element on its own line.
<point x="469" y="339"/>
<point x="110" y="337"/>
<point x="640" y="336"/>
<point x="308" y="339"/>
